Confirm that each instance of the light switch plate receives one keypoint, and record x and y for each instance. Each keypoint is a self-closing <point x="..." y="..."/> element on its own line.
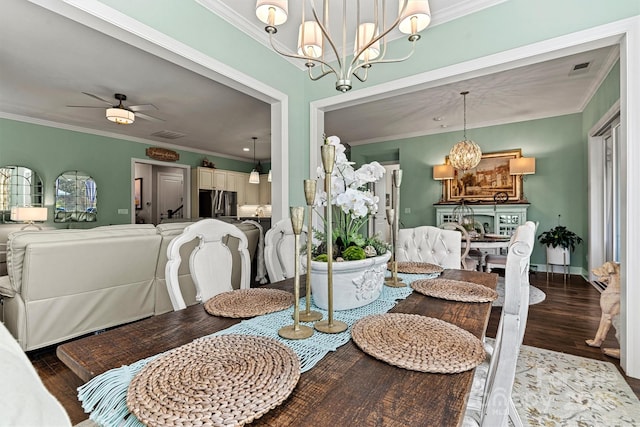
<point x="407" y="210"/>
<point x="123" y="211"/>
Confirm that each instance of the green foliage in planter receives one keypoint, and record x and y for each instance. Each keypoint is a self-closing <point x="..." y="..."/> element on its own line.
<point x="353" y="253"/>
<point x="560" y="236"/>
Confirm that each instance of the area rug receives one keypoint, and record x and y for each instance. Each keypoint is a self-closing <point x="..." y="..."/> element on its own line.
<point x="535" y="295"/>
<point x="554" y="389"/>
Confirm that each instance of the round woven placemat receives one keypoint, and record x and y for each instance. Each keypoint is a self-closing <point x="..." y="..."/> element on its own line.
<point x="454" y="290"/>
<point x="215" y="381"/>
<point x="418" y="343"/>
<point x="248" y="302"/>
<point x="416" y="267"/>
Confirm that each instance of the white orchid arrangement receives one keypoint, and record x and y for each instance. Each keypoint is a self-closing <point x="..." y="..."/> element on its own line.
<point x="354" y="203"/>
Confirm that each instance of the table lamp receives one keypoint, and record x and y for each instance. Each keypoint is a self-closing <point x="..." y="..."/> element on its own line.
<point x="522" y="166"/>
<point x="443" y="173"/>
<point x="28" y="215"/>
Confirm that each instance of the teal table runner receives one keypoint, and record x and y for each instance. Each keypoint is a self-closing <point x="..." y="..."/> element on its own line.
<point x="105" y="395"/>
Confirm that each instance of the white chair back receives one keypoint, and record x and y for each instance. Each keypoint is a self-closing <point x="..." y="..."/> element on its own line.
<point x="429" y="244"/>
<point x="502" y="366"/>
<point x="279" y="246"/>
<point x="210" y="262"/>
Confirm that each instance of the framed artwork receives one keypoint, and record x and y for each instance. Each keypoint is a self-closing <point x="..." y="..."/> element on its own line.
<point x="137" y="193"/>
<point x="483" y="182"/>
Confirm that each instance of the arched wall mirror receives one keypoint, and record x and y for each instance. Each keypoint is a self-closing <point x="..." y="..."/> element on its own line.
<point x="76" y="198"/>
<point x="19" y="186"/>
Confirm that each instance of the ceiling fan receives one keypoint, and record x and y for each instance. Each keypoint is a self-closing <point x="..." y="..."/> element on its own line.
<point x="119" y="113"/>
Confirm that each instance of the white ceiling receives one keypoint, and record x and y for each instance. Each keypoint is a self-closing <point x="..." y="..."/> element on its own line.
<point x="47" y="61"/>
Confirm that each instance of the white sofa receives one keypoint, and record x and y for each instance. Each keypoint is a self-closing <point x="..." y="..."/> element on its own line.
<point x="65" y="283"/>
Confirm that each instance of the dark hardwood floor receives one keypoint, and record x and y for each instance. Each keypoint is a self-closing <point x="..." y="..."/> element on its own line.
<point x="569" y="315"/>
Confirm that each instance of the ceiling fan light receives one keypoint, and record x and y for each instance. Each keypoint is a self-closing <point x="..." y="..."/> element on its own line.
<point x="254" y="177"/>
<point x="120" y="116"/>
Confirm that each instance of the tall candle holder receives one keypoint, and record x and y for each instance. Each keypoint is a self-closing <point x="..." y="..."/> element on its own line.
<point x="310" y="195"/>
<point x="395" y="281"/>
<point x="329" y="326"/>
<point x="296" y="331"/>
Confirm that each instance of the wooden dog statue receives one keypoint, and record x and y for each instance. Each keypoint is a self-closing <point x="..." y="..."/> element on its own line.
<point x="610" y="305"/>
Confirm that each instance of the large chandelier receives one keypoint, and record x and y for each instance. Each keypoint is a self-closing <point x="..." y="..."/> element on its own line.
<point x="466" y="154"/>
<point x="314" y="35"/>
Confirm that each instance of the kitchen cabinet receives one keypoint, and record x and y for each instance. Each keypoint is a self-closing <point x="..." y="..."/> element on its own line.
<point x="203" y="178"/>
<point x="252" y="193"/>
<point x="219" y="179"/>
<point x="264" y="197"/>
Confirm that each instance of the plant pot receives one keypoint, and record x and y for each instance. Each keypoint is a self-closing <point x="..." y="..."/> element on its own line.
<point x="355" y="283"/>
<point x="558" y="255"/>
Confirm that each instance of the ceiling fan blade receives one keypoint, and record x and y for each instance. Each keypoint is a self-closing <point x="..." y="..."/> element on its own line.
<point x="142" y="107"/>
<point x="98" y="98"/>
<point x="150" y="118"/>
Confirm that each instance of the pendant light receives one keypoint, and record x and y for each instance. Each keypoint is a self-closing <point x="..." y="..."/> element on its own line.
<point x="466" y="154"/>
<point x="254" y="177"/>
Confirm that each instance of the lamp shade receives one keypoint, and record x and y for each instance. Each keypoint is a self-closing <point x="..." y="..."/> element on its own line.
<point x="416" y="17"/>
<point x="366" y="33"/>
<point x="254" y="177"/>
<point x="441" y="172"/>
<point x="272" y="12"/>
<point x="28" y="214"/>
<point x="522" y="166"/>
<point x="120" y="116"/>
<point x="310" y="39"/>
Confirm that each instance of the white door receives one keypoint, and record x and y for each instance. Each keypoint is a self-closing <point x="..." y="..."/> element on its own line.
<point x="170" y="188"/>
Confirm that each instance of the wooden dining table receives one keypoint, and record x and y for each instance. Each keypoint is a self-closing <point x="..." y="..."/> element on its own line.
<point x="346" y="388"/>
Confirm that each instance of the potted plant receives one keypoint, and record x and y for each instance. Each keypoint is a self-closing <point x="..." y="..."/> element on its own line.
<point x="559" y="241"/>
<point x="359" y="262"/>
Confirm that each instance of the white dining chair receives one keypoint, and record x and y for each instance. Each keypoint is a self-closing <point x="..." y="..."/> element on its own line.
<point x="429" y="244"/>
<point x="490" y="403"/>
<point x="210" y="263"/>
<point x="279" y="243"/>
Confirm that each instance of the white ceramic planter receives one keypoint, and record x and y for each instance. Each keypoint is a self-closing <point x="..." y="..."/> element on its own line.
<point x="558" y="255"/>
<point x="355" y="283"/>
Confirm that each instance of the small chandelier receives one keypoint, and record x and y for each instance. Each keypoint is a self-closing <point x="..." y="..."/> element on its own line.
<point x="313" y="36"/>
<point x="254" y="177"/>
<point x="466" y="154"/>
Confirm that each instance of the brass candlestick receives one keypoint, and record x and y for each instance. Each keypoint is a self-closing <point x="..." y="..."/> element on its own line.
<point x="329" y="326"/>
<point x="310" y="196"/>
<point x="394" y="281"/>
<point x="395" y="204"/>
<point x="296" y="331"/>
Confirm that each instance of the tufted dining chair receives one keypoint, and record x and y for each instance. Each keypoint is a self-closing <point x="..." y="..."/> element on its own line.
<point x="429" y="244"/>
<point x="210" y="263"/>
<point x="279" y="243"/>
<point x="490" y="403"/>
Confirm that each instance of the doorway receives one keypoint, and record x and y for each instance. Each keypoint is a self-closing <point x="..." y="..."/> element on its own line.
<point x="163" y="193"/>
<point x="604" y="193"/>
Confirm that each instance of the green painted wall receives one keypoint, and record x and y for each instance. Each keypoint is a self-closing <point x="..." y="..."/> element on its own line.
<point x="558" y="187"/>
<point x="50" y="151"/>
<point x="607" y="94"/>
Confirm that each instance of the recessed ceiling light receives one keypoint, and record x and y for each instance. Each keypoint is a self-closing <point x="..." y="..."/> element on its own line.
<point x="444" y="126"/>
<point x="246" y="149"/>
<point x="438" y="119"/>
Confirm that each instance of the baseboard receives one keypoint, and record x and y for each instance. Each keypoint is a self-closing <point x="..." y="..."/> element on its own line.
<point x="557" y="269"/>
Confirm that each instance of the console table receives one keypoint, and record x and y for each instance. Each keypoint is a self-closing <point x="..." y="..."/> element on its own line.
<point x="503" y="218"/>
